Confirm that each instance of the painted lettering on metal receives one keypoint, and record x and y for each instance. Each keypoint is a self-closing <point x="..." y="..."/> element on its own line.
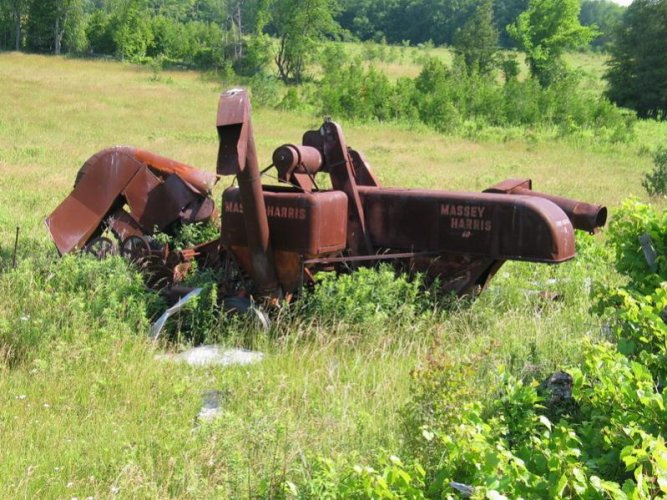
<point x="466" y="217"/>
<point x="279" y="212"/>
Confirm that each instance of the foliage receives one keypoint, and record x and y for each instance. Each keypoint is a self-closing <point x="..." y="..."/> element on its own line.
<point x="299" y="25"/>
<point x="477" y="40"/>
<point x="603" y="15"/>
<point x="417" y="21"/>
<point x="52" y="23"/>
<point x="367" y="295"/>
<point x="637" y="72"/>
<point x="53" y="300"/>
<point x="632" y="220"/>
<point x="390" y="479"/>
<point x="189" y="235"/>
<point x="446" y="98"/>
<point x="132" y="33"/>
<point x="655" y="182"/>
<point x="544" y="31"/>
<point x="498" y="442"/>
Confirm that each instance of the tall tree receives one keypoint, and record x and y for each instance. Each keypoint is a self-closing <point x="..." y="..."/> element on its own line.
<point x="477" y="40"/>
<point x="544" y="31"/>
<point x="637" y="72"/>
<point x="17" y="10"/>
<point x="605" y="15"/>
<point x="300" y="25"/>
<point x="132" y="32"/>
<point x="53" y="22"/>
<point x="505" y="13"/>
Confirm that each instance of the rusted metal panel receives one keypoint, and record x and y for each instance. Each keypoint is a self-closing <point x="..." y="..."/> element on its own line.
<point x="100" y="181"/>
<point x="492" y="225"/>
<point x="122" y="225"/>
<point x="584" y="216"/>
<point x="237" y="155"/>
<point x="138" y="191"/>
<point x="341" y="171"/>
<point x="307" y="223"/>
<point x="165" y="203"/>
<point x="125" y="175"/>
<point x="201" y="181"/>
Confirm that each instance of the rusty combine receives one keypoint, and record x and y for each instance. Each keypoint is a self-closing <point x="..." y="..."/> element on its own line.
<point x="275" y="238"/>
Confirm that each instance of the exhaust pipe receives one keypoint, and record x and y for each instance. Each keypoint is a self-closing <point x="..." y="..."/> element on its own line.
<point x="583" y="216"/>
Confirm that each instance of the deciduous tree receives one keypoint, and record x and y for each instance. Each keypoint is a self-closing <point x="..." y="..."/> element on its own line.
<point x="544" y="31"/>
<point x="637" y="72"/>
<point x="54" y="22"/>
<point x="300" y="25"/>
<point x="477" y="40"/>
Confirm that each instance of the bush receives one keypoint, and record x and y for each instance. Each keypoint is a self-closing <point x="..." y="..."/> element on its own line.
<point x="449" y="99"/>
<point x="499" y="442"/>
<point x="72" y="297"/>
<point x="367" y="295"/>
<point x="655" y="182"/>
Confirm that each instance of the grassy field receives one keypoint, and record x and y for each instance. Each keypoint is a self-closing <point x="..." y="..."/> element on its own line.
<point x="88" y="411"/>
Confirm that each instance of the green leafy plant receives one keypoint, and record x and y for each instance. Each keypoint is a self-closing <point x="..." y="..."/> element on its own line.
<point x="367" y="295"/>
<point x="655" y="182"/>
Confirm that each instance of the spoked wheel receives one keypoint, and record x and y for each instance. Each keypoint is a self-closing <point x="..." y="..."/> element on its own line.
<point x="101" y="248"/>
<point x="135" y="249"/>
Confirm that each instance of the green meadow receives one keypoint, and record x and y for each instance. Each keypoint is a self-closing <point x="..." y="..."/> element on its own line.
<point x="86" y="408"/>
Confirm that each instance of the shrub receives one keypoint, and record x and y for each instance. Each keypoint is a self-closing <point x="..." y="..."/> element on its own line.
<point x="655" y="182"/>
<point x="631" y="221"/>
<point x="71" y="297"/>
<point x="367" y="295"/>
<point x="390" y="478"/>
<point x="608" y="443"/>
<point x="449" y="99"/>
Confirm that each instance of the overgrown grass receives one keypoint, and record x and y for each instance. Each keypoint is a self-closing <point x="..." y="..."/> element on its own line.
<point x="333" y="383"/>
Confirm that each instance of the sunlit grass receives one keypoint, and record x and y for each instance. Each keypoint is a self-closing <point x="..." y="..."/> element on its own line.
<point x="85" y="417"/>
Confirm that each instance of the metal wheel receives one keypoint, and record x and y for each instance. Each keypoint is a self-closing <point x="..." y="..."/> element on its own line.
<point x="135" y="249"/>
<point x="101" y="248"/>
<point x="245" y="307"/>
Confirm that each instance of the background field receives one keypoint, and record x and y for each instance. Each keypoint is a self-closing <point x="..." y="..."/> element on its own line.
<point x="90" y="412"/>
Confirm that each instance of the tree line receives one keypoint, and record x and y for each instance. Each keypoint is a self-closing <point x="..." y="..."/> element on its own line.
<point x="247" y="35"/>
<point x="128" y="28"/>
<point x="421" y="21"/>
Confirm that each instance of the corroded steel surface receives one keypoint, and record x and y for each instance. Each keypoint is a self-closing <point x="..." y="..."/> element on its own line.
<point x="584" y="216"/>
<point x="237" y="155"/>
<point x="156" y="190"/>
<point x="481" y="224"/>
<point x="274" y="239"/>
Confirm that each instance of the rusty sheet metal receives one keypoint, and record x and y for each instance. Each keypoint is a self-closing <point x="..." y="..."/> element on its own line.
<point x="584" y="216"/>
<point x="306" y="223"/>
<point x="122" y="225"/>
<point x="137" y="192"/>
<point x="336" y="155"/>
<point x="198" y="211"/>
<point x="201" y="181"/>
<point x="125" y="175"/>
<point x="165" y="204"/>
<point x="237" y="155"/>
<point x="78" y="218"/>
<point x="490" y="225"/>
<point x="234" y="132"/>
